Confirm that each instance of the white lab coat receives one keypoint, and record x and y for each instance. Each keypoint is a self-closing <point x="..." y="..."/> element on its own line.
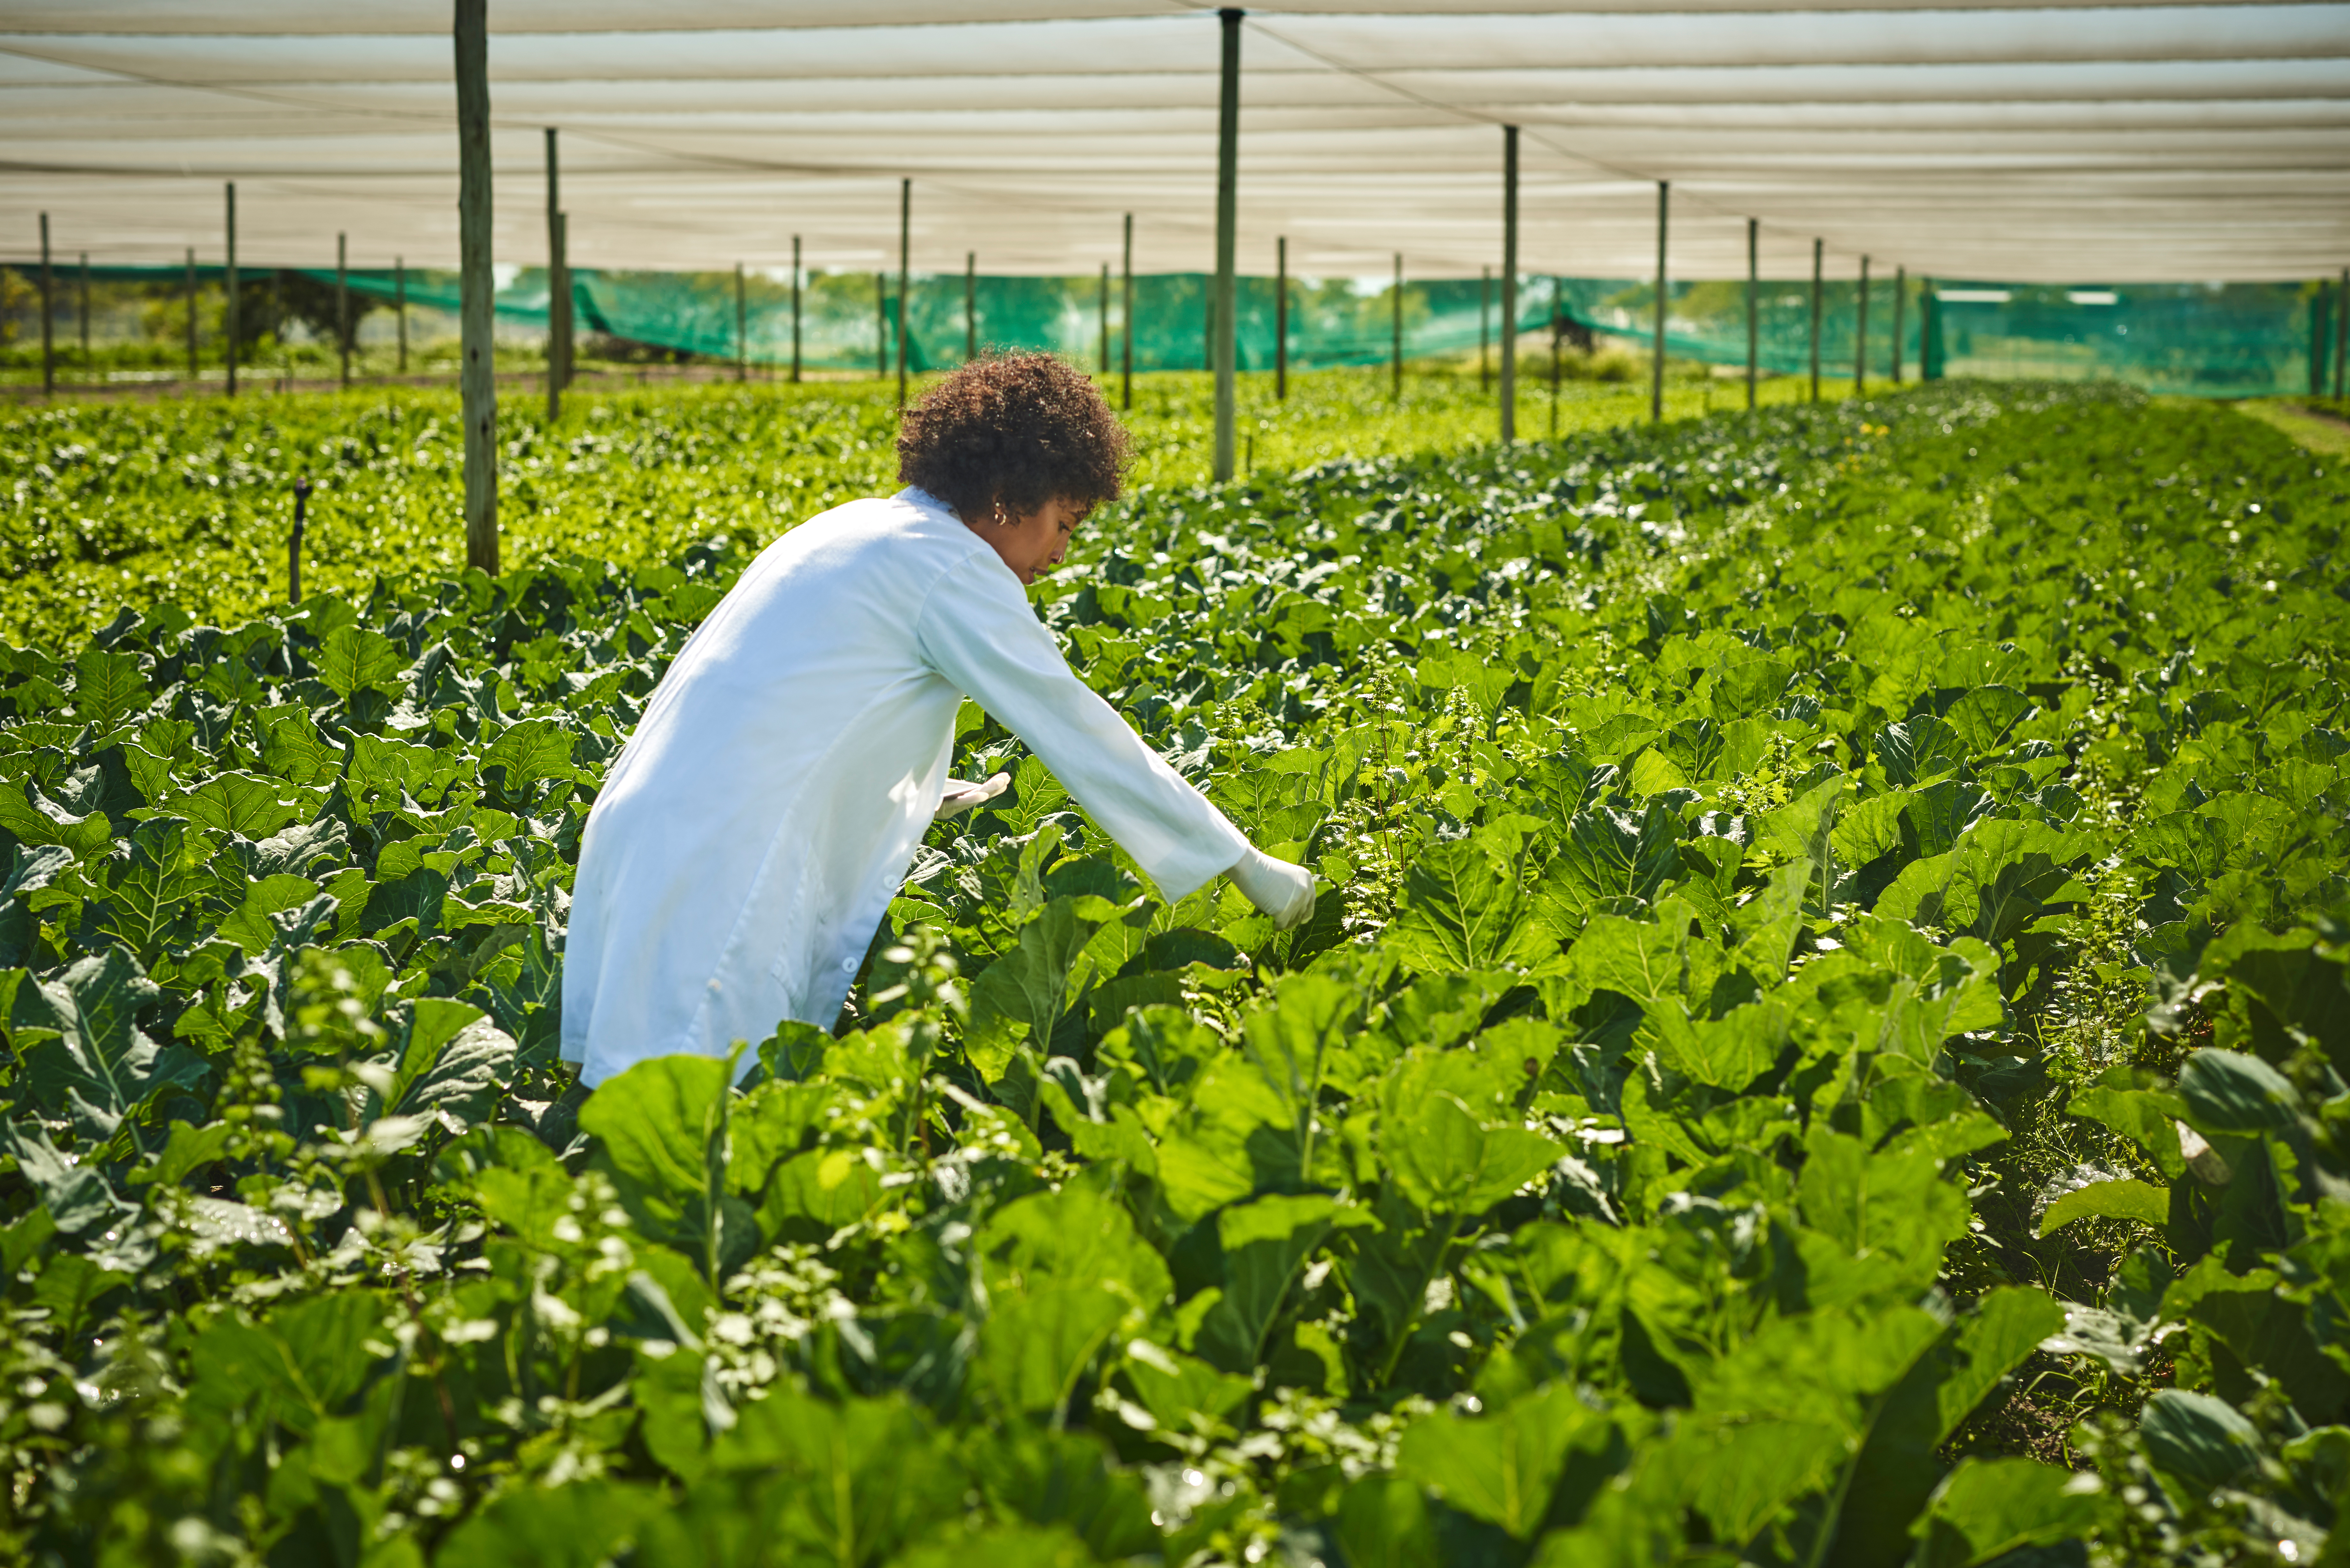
<point x="751" y="835"/>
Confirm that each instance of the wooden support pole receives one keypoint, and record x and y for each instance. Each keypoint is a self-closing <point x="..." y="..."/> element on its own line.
<point x="1395" y="351"/>
<point x="1126" y="318"/>
<point x="1860" y="336"/>
<point x="1557" y="337"/>
<point x="905" y="252"/>
<point x="2317" y="302"/>
<point x="796" y="307"/>
<point x="477" y="380"/>
<point x="1929" y="363"/>
<point x="343" y="305"/>
<point x="228" y="316"/>
<point x="1900" y="287"/>
<point x="742" y="327"/>
<point x="1657" y="360"/>
<point x="1509" y="284"/>
<point x="277" y="328"/>
<point x="1485" y="329"/>
<point x="48" y="311"/>
<point x="1227" y="138"/>
<point x="554" y="289"/>
<point x="1818" y="248"/>
<point x="881" y="326"/>
<point x="191" y="316"/>
<point x="970" y="306"/>
<point x="1104" y="321"/>
<point x="82" y="316"/>
<point x="1753" y="306"/>
<point x="1281" y="319"/>
<point x="293" y="544"/>
<point x="2341" y="332"/>
<point x="400" y="305"/>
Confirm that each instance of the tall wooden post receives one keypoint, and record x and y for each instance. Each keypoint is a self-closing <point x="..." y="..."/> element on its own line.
<point x="2317" y="344"/>
<point x="970" y="306"/>
<point x="1126" y="318"/>
<point x="1509" y="284"/>
<point x="1900" y="287"/>
<point x="1818" y="246"/>
<point x="1228" y="139"/>
<point x="2341" y="332"/>
<point x="905" y="249"/>
<point x="1281" y="319"/>
<point x="48" y="310"/>
<point x="556" y="292"/>
<point x="1395" y="351"/>
<point x="881" y="325"/>
<point x="193" y="369"/>
<point x="1753" y="306"/>
<point x="796" y="307"/>
<point x="742" y="328"/>
<point x="1657" y="360"/>
<point x="1104" y="321"/>
<point x="82" y="316"/>
<point x="475" y="285"/>
<point x="343" y="305"/>
<point x="228" y="315"/>
<point x="1930" y="359"/>
<point x="400" y="305"/>
<point x="1485" y="329"/>
<point x="1860" y="336"/>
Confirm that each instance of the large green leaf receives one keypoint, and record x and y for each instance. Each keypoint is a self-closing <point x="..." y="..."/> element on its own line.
<point x="1460" y="911"/>
<point x="1503" y="1469"/>
<point x="1989" y="1507"/>
<point x="1446" y="1160"/>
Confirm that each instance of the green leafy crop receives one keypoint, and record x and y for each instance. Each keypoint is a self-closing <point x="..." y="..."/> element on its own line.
<point x="1823" y="1043"/>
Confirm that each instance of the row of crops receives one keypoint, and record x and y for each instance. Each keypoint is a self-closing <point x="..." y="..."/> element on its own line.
<point x="1825" y="1042"/>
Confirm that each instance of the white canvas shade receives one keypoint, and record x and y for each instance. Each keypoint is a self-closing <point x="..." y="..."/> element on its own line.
<point x="2106" y="143"/>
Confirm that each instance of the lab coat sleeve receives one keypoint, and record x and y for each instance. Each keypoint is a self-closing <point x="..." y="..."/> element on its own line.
<point x="977" y="630"/>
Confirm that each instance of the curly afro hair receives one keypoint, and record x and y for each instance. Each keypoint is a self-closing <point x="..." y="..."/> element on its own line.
<point x="1019" y="429"/>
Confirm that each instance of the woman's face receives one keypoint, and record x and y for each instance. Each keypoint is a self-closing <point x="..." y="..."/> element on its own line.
<point x="1032" y="543"/>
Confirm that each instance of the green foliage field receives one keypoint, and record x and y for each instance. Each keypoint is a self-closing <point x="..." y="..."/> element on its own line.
<point x="189" y="501"/>
<point x="1824" y="1042"/>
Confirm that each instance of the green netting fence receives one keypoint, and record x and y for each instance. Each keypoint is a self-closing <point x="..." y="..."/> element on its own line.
<point x="2217" y="340"/>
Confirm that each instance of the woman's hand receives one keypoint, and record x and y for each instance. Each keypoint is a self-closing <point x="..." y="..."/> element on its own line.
<point x="961" y="795"/>
<point x="1279" y="889"/>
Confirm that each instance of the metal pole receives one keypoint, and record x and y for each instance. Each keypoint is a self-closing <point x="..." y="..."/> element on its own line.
<point x="478" y="380"/>
<point x="1104" y="321"/>
<point x="1125" y="312"/>
<point x="82" y="316"/>
<point x="1930" y="366"/>
<point x="796" y="307"/>
<point x="1817" y="247"/>
<point x="1227" y="138"/>
<point x="1394" y="353"/>
<point x="1860" y="336"/>
<point x="400" y="305"/>
<point x="1558" y="332"/>
<point x="293" y="545"/>
<point x="228" y="316"/>
<point x="277" y="328"/>
<point x="192" y="315"/>
<point x="905" y="248"/>
<point x="1657" y="362"/>
<point x="554" y="279"/>
<point x="2341" y="332"/>
<point x="559" y="316"/>
<point x="1281" y="319"/>
<point x="343" y="305"/>
<point x="2317" y="340"/>
<point x="742" y="328"/>
<point x="1900" y="286"/>
<point x="48" y="349"/>
<point x="1509" y="284"/>
<point x="1484" y="330"/>
<point x="970" y="306"/>
<point x="1754" y="304"/>
<point x="881" y="325"/>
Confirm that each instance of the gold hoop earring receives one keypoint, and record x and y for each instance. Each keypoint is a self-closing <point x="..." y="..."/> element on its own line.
<point x="1001" y="520"/>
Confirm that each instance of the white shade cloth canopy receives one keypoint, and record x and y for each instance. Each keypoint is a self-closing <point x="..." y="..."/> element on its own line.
<point x="2044" y="144"/>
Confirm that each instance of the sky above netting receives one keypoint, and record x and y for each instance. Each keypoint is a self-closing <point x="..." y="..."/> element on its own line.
<point x="2054" y="143"/>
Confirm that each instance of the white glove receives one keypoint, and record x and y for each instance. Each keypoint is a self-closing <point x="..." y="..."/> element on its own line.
<point x="961" y="795"/>
<point x="1282" y="890"/>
